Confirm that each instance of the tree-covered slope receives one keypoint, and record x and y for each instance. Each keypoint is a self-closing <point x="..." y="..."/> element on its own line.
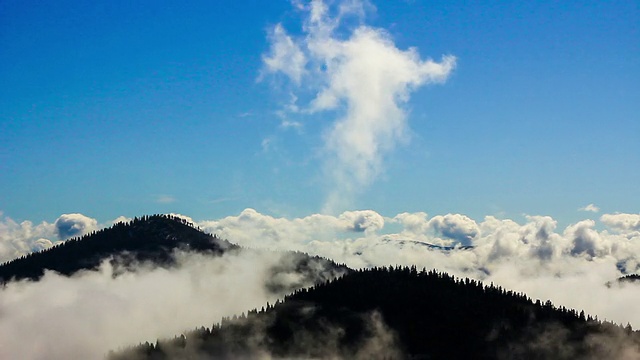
<point x="401" y="313"/>
<point x="149" y="238"/>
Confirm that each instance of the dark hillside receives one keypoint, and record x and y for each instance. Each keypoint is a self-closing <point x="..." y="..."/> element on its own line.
<point x="149" y="238"/>
<point x="401" y="313"/>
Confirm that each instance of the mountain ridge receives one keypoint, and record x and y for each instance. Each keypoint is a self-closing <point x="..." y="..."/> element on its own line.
<point x="413" y="314"/>
<point x="148" y="238"/>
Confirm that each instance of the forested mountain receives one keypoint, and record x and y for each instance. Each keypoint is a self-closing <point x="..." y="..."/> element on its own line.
<point x="149" y="238"/>
<point x="154" y="239"/>
<point x="401" y="313"/>
<point x="398" y="313"/>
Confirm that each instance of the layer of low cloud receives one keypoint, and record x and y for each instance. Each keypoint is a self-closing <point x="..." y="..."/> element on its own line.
<point x="85" y="316"/>
<point x="570" y="266"/>
<point x="358" y="74"/>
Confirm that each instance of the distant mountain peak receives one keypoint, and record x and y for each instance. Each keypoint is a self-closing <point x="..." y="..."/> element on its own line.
<point x="147" y="238"/>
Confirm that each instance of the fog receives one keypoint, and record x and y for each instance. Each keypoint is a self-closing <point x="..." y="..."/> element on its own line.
<point x="84" y="316"/>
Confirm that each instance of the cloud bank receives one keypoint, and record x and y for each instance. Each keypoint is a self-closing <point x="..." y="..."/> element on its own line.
<point x="90" y="313"/>
<point x="18" y="239"/>
<point x="359" y="74"/>
<point x="569" y="266"/>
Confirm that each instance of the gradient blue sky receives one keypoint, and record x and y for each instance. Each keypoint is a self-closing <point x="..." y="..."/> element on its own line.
<point x="120" y="108"/>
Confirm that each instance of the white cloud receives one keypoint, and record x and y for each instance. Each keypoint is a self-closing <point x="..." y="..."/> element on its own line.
<point x="569" y="266"/>
<point x="622" y="222"/>
<point x="455" y="226"/>
<point x="284" y="55"/>
<point x="251" y="228"/>
<point x="120" y="219"/>
<point x="286" y="124"/>
<point x="85" y="316"/>
<point x="413" y="222"/>
<point x="591" y="208"/>
<point x="586" y="240"/>
<point x="362" y="221"/>
<point x="72" y="225"/>
<point x="364" y="78"/>
<point x="18" y="239"/>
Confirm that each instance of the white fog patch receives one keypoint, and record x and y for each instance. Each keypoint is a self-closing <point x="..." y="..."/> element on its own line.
<point x="90" y="313"/>
<point x="358" y="74"/>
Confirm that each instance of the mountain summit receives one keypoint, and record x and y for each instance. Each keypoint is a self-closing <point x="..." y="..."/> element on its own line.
<point x="148" y="238"/>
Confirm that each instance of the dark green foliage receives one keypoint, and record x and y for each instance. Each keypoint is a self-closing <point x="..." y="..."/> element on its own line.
<point x="149" y="238"/>
<point x="418" y="315"/>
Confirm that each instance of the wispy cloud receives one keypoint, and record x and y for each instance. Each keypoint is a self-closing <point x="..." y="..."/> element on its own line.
<point x="165" y="199"/>
<point x="266" y="144"/>
<point x="286" y="124"/>
<point x="590" y="208"/>
<point x="285" y="55"/>
<point x="363" y="78"/>
<point x="221" y="200"/>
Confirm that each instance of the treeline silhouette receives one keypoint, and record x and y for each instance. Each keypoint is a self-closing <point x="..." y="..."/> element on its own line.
<point x="147" y="238"/>
<point x="410" y="314"/>
<point x="629" y="278"/>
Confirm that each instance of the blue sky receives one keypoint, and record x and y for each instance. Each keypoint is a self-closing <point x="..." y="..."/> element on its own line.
<point x="112" y="109"/>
